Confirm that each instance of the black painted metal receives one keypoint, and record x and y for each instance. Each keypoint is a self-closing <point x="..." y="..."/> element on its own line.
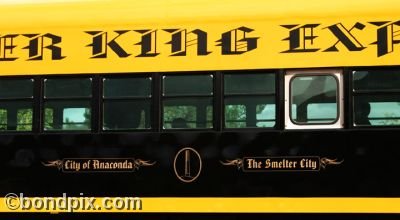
<point x="369" y="168"/>
<point x="370" y="157"/>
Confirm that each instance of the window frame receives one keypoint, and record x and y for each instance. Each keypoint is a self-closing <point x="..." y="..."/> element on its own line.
<point x="90" y="99"/>
<point x="376" y="92"/>
<point x="292" y="74"/>
<point x="31" y="99"/>
<point x="290" y="99"/>
<point x="164" y="97"/>
<point x="274" y="95"/>
<point x="103" y="99"/>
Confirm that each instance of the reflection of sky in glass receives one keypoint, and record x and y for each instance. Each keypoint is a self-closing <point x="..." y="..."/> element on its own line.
<point x="74" y="115"/>
<point x="267" y="113"/>
<point x="314" y="111"/>
<point x="385" y="109"/>
<point x="329" y="111"/>
<point x="322" y="110"/>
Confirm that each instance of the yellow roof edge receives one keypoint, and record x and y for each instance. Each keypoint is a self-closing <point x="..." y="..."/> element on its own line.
<point x="62" y="13"/>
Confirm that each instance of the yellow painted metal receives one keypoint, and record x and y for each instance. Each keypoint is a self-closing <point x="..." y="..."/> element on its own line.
<point x="72" y="19"/>
<point x="218" y="205"/>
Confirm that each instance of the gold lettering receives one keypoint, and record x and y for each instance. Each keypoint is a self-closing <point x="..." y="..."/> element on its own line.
<point x="267" y="164"/>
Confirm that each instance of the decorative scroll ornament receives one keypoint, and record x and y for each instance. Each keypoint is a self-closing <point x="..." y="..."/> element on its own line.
<point x="326" y="161"/>
<point x="235" y="162"/>
<point x="54" y="163"/>
<point x="139" y="163"/>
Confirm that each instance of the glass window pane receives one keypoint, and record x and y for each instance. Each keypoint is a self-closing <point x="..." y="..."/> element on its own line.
<point x="16" y="116"/>
<point x="188" y="113"/>
<point x="16" y="88"/>
<point x="249" y="83"/>
<point x="61" y="88"/>
<point x="122" y="115"/>
<point x="209" y="116"/>
<point x="48" y="119"/>
<point x="24" y="119"/>
<point x="294" y="112"/>
<point x="188" y="85"/>
<point x="3" y="119"/>
<point x="315" y="98"/>
<point x="67" y="115"/>
<point x="250" y="112"/>
<point x="377" y="110"/>
<point x="265" y="115"/>
<point x="180" y="117"/>
<point x="376" y="80"/>
<point x="127" y="87"/>
<point x="235" y="116"/>
<point x="322" y="112"/>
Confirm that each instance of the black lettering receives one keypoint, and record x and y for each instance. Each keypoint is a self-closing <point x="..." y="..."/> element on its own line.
<point x="7" y="46"/>
<point x="236" y="42"/>
<point x="36" y="46"/>
<point x="385" y="36"/>
<point x="345" y="37"/>
<point x="148" y="43"/>
<point x="298" y="37"/>
<point x="179" y="41"/>
<point x="100" y="44"/>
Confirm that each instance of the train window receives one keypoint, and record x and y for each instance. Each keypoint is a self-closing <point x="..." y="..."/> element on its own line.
<point x="16" y="104"/>
<point x="127" y="87"/>
<point x="126" y="103"/>
<point x="179" y="116"/>
<point x="249" y="83"/>
<point x="376" y="98"/>
<point x="313" y="99"/>
<point x="249" y="100"/>
<point x="67" y="88"/>
<point x="73" y="118"/>
<point x="16" y="88"/>
<point x="187" y="101"/>
<point x="376" y="110"/>
<point x="16" y="116"/>
<point x="376" y="80"/>
<point x="187" y="85"/>
<point x="67" y="104"/>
